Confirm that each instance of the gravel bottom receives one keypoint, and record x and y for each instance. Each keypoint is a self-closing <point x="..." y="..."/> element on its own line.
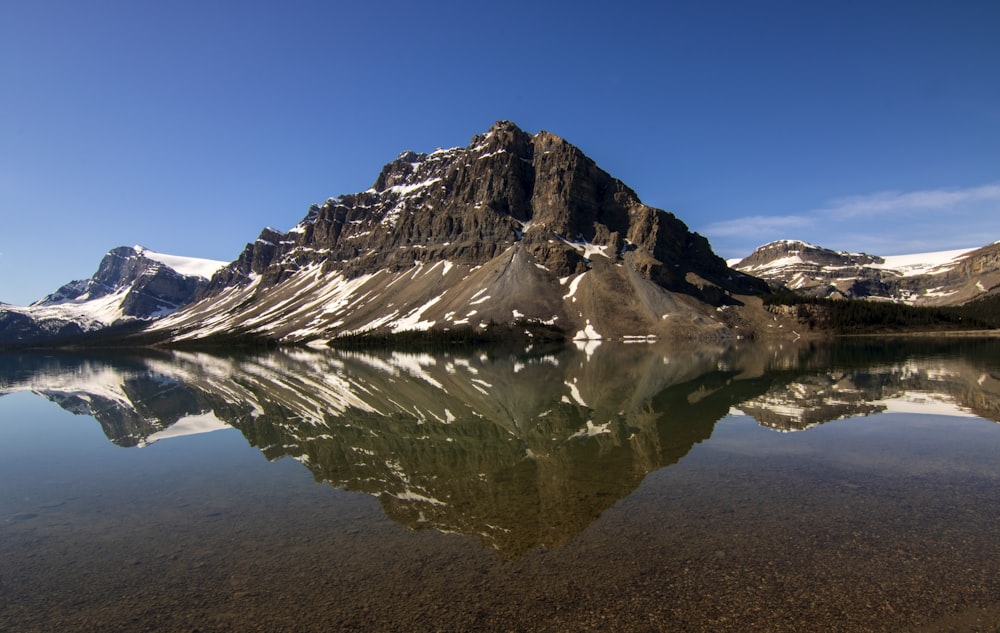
<point x="712" y="544"/>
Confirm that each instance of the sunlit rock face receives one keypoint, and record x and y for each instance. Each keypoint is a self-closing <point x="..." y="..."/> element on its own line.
<point x="523" y="450"/>
<point x="514" y="227"/>
<point x="949" y="278"/>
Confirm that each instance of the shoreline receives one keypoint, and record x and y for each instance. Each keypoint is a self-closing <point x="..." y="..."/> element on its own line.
<point x="927" y="334"/>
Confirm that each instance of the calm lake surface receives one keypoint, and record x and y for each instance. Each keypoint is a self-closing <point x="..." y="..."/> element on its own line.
<point x="849" y="487"/>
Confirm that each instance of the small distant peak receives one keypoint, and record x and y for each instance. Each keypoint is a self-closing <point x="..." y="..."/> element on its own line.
<point x="270" y="236"/>
<point x="399" y="170"/>
<point x="125" y="251"/>
<point x="501" y="129"/>
<point x="790" y="244"/>
<point x="547" y="134"/>
<point x="547" y="142"/>
<point x="504" y="125"/>
<point x="502" y="135"/>
<point x="409" y="156"/>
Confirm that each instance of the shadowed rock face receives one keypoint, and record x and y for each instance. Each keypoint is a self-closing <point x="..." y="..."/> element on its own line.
<point x="499" y="230"/>
<point x="522" y="450"/>
<point x="821" y="272"/>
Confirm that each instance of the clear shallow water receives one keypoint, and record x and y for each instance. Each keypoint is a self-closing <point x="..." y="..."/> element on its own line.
<point x="631" y="488"/>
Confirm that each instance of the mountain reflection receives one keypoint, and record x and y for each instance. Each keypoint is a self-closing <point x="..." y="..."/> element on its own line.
<point x="523" y="450"/>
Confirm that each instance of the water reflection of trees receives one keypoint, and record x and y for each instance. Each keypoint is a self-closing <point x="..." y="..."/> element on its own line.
<point x="523" y="450"/>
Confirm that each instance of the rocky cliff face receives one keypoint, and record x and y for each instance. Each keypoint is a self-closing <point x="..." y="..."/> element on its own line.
<point x="950" y="278"/>
<point x="513" y="227"/>
<point x="972" y="276"/>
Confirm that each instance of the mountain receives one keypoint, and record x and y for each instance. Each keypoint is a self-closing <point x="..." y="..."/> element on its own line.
<point x="131" y="284"/>
<point x="932" y="279"/>
<point x="513" y="228"/>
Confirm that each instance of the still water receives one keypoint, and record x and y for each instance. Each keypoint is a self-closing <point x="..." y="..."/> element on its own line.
<point x="850" y="487"/>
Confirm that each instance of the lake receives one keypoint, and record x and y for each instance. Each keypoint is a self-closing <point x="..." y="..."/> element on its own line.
<point x="619" y="487"/>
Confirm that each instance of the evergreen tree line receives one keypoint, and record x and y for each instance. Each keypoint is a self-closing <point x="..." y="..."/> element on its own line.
<point x="521" y="332"/>
<point x="846" y="316"/>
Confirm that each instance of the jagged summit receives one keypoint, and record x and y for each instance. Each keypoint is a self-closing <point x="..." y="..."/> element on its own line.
<point x="521" y="188"/>
<point x="514" y="226"/>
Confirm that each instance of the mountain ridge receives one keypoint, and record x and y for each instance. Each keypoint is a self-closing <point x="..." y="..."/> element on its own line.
<point x="516" y="229"/>
<point x="942" y="278"/>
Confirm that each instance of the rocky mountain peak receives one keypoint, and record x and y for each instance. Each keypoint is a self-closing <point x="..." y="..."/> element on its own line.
<point x="398" y="171"/>
<point x="148" y="286"/>
<point x="130" y="283"/>
<point x="119" y="268"/>
<point x="785" y="251"/>
<point x="530" y="208"/>
<point x="468" y="204"/>
<point x="503" y="134"/>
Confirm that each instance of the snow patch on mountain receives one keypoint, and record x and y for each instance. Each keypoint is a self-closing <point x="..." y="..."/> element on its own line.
<point x="89" y="314"/>
<point x="922" y="263"/>
<point x="187" y="266"/>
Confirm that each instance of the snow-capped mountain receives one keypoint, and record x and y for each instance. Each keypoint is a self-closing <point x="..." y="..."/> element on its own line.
<point x="131" y="284"/>
<point x="514" y="227"/>
<point x="941" y="278"/>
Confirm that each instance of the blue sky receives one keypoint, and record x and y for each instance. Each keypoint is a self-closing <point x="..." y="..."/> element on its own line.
<point x="188" y="126"/>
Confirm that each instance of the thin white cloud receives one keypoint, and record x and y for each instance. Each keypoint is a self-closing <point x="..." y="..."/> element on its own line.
<point x="892" y="202"/>
<point x="885" y="223"/>
<point x="759" y="225"/>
